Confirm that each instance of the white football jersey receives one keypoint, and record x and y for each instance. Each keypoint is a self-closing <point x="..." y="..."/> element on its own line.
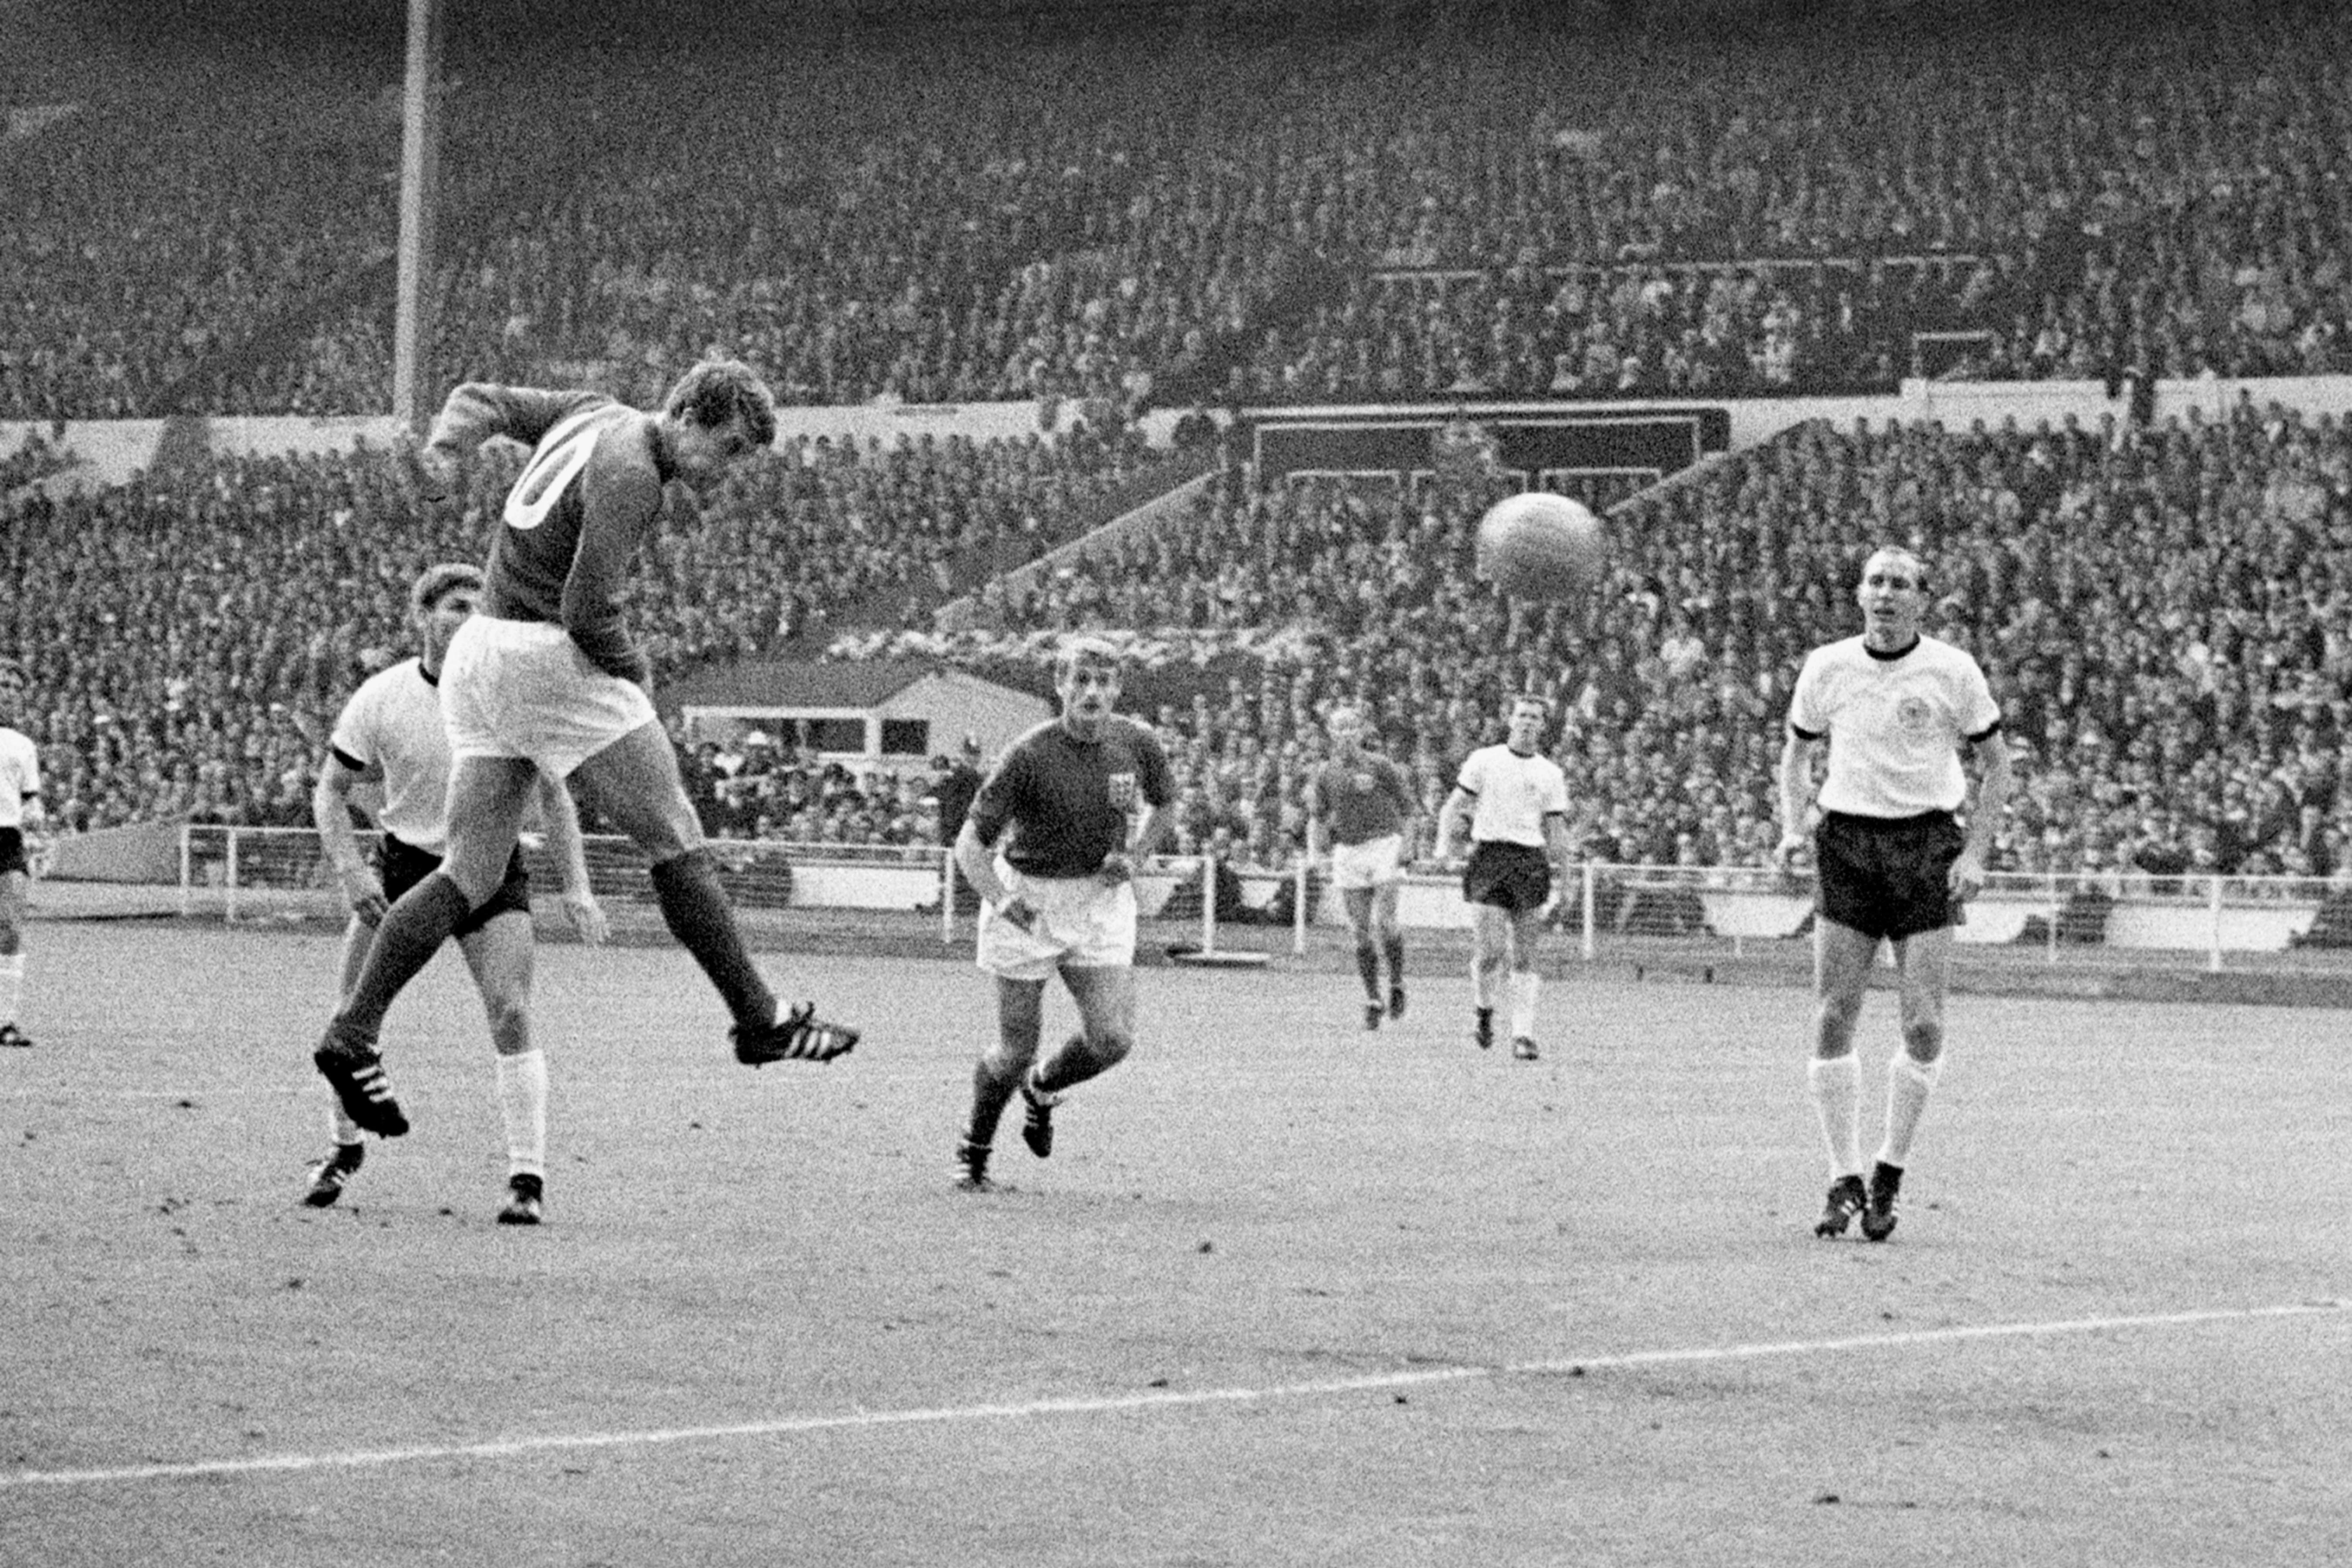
<point x="1895" y="726"/>
<point x="1514" y="794"/>
<point x="392" y="723"/>
<point x="20" y="776"/>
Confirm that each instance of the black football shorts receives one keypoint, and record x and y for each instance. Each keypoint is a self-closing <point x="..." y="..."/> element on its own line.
<point x="1887" y="877"/>
<point x="1514" y="877"/>
<point x="402" y="866"/>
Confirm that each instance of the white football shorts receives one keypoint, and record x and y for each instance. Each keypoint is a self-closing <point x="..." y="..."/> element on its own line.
<point x="1081" y="922"/>
<point x="523" y="689"/>
<point x="1374" y="863"/>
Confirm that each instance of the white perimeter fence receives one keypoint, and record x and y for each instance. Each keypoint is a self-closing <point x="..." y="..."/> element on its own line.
<point x="2212" y="922"/>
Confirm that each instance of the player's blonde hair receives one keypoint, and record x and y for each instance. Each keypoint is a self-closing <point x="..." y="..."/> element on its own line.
<point x="1085" y="649"/>
<point x="1903" y="554"/>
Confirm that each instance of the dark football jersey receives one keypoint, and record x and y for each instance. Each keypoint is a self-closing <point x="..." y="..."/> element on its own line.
<point x="1360" y="801"/>
<point x="1062" y="805"/>
<point x="573" y="523"/>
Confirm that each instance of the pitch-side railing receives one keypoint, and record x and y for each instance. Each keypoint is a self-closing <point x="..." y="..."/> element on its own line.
<point x="254" y="874"/>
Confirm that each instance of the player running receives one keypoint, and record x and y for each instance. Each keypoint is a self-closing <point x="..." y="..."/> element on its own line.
<point x="1359" y="812"/>
<point x="1514" y="801"/>
<point x="1051" y="843"/>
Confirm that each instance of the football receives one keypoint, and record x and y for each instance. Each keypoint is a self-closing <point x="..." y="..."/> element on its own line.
<point x="1539" y="545"/>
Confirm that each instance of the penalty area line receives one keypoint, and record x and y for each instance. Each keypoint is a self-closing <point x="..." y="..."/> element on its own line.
<point x="1170" y="1399"/>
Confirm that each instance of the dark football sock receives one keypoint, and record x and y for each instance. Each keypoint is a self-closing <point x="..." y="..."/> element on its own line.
<point x="1368" y="965"/>
<point x="990" y="1095"/>
<point x="1395" y="946"/>
<point x="411" y="932"/>
<point x="695" y="907"/>
<point x="1071" y="1065"/>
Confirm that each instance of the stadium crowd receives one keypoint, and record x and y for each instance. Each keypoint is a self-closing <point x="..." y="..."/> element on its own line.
<point x="1268" y="216"/>
<point x="2186" y="714"/>
<point x="141" y="246"/>
<point x="189" y="636"/>
<point x="1127" y="214"/>
<point x="766" y="788"/>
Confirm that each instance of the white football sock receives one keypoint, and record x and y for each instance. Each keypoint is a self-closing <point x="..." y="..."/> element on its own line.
<point x="1908" y="1084"/>
<point x="522" y="1106"/>
<point x="12" y="986"/>
<point x="1836" y="1084"/>
<point x="1525" y="985"/>
<point x="346" y="1130"/>
<point x="1481" y="986"/>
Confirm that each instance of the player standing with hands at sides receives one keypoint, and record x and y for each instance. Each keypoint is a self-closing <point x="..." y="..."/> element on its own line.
<point x="546" y="677"/>
<point x="1360" y="808"/>
<point x="20" y="809"/>
<point x="1051" y="843"/>
<point x="1899" y="711"/>
<point x="390" y="732"/>
<point x="1514" y="800"/>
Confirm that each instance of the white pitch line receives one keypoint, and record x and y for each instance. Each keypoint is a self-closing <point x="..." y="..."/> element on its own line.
<point x="1104" y="1404"/>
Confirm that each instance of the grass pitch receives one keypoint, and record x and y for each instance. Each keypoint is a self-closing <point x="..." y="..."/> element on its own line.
<point x="1288" y="1292"/>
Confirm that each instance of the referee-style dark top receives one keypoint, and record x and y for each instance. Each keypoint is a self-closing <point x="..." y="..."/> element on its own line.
<point x="1062" y="805"/>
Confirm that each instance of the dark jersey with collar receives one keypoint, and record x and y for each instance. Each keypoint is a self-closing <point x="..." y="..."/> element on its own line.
<point x="1061" y="804"/>
<point x="572" y="525"/>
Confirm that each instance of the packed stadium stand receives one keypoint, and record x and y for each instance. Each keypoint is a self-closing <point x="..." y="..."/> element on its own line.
<point x="1136" y="211"/>
<point x="1376" y="206"/>
<point x="2197" y="707"/>
<point x="189" y="635"/>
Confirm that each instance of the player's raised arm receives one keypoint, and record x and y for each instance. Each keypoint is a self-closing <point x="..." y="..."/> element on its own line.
<point x="477" y="411"/>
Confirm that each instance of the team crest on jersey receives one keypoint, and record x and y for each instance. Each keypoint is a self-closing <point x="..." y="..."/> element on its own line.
<point x="1121" y="789"/>
<point x="1914" y="715"/>
<point x="1363" y="783"/>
